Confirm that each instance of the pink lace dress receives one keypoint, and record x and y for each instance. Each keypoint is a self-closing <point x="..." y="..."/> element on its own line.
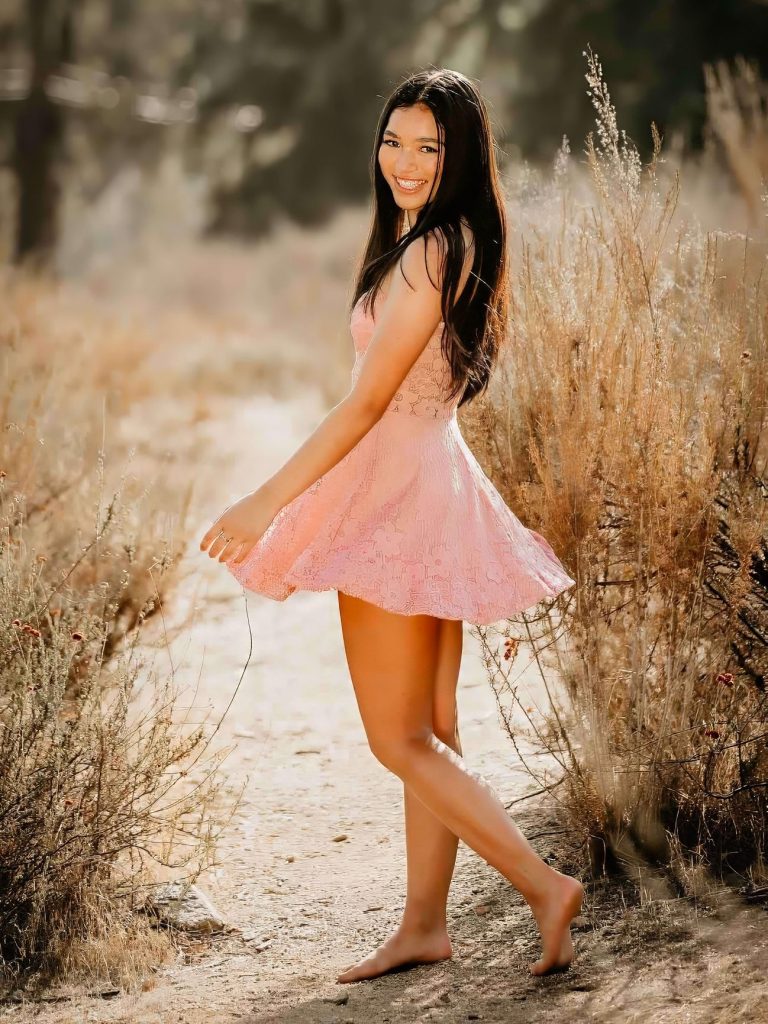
<point x="407" y="519"/>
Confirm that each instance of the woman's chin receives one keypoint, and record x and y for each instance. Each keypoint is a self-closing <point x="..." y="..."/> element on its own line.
<point x="408" y="202"/>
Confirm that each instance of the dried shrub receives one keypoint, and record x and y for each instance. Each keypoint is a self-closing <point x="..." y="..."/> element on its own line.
<point x="627" y="423"/>
<point x="68" y="377"/>
<point x="101" y="788"/>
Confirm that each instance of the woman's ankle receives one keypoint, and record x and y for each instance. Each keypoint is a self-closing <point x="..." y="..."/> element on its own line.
<point x="545" y="886"/>
<point x="424" y="921"/>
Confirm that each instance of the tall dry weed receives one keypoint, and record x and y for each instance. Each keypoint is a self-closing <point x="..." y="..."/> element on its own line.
<point x="100" y="789"/>
<point x="627" y="422"/>
<point x="737" y="114"/>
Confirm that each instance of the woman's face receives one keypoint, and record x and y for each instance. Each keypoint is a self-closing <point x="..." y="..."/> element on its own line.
<point x="410" y="156"/>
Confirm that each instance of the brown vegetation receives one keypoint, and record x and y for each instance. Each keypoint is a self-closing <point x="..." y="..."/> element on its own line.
<point x="90" y="798"/>
<point x="628" y="424"/>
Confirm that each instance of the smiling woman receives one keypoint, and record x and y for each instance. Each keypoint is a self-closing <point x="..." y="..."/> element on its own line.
<point x="409" y="154"/>
<point x="386" y="504"/>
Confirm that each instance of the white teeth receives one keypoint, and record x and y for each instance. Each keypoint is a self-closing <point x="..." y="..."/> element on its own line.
<point x="410" y="183"/>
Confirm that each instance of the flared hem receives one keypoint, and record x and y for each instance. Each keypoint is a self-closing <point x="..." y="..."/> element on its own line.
<point x="409" y="522"/>
<point x="472" y="618"/>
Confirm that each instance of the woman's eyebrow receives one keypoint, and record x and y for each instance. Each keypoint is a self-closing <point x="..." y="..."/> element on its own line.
<point x="420" y="138"/>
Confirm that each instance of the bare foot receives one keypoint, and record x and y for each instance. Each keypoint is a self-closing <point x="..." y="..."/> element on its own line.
<point x="553" y="916"/>
<point x="401" y="948"/>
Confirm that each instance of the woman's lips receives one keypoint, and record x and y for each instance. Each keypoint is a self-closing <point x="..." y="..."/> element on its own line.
<point x="405" y="188"/>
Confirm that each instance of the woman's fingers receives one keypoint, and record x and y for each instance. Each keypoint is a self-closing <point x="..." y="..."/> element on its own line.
<point x="229" y="548"/>
<point x="210" y="535"/>
<point x="217" y="537"/>
<point x="223" y="546"/>
<point x="239" y="528"/>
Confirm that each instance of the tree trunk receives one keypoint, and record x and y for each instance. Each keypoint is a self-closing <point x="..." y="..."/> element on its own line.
<point x="38" y="133"/>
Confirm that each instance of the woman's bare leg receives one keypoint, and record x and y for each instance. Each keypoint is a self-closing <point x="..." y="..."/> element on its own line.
<point x="392" y="660"/>
<point x="430" y="845"/>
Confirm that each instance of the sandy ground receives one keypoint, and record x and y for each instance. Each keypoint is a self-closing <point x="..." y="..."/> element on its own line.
<point x="302" y="902"/>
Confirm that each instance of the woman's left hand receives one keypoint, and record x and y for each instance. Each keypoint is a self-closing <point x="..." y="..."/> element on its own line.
<point x="239" y="526"/>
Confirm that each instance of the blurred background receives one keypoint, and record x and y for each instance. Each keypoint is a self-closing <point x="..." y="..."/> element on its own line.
<point x="120" y="118"/>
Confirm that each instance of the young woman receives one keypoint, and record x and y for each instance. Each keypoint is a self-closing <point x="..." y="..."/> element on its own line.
<point x="386" y="504"/>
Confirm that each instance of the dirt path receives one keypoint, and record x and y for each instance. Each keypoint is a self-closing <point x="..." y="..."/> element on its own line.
<point x="310" y="900"/>
<point x="307" y="902"/>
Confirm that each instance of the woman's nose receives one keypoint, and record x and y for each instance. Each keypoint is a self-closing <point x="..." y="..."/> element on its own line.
<point x="405" y="162"/>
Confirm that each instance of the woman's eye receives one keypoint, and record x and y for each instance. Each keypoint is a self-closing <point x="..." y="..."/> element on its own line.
<point x="386" y="142"/>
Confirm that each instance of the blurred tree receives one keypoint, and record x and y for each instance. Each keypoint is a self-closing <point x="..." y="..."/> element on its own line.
<point x="274" y="102"/>
<point x="38" y="130"/>
<point x="91" y="87"/>
<point x="317" y="72"/>
<point x="652" y="57"/>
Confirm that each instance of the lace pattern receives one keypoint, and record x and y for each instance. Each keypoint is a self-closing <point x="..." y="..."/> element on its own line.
<point x="426" y="387"/>
<point x="408" y="519"/>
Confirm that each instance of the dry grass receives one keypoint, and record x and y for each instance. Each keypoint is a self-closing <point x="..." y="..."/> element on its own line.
<point x="737" y="108"/>
<point x="627" y="422"/>
<point x="90" y="795"/>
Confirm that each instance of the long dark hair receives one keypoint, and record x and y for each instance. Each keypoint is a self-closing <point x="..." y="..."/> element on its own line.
<point x="469" y="189"/>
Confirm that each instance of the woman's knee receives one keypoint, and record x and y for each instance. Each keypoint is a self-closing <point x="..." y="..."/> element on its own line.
<point x="397" y="751"/>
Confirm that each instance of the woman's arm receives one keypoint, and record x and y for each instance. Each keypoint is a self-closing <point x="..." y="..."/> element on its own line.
<point x="406" y="321"/>
<point x="331" y="440"/>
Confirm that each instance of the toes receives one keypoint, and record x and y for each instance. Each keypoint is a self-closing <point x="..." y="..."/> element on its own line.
<point x="349" y="969"/>
<point x="357" y="971"/>
<point x="346" y="976"/>
<point x="391" y="957"/>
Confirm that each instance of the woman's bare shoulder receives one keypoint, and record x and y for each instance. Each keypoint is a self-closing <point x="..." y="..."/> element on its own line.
<point x="429" y="249"/>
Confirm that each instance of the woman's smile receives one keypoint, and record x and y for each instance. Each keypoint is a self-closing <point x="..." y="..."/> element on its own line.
<point x="410" y="184"/>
